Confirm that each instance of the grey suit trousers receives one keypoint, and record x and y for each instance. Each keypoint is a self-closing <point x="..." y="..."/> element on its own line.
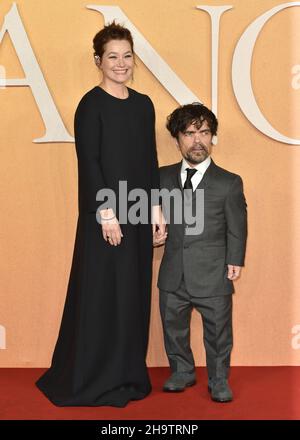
<point x="216" y="312"/>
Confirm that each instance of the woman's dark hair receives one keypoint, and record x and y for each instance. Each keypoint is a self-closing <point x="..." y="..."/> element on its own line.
<point x="112" y="31"/>
<point x="188" y="114"/>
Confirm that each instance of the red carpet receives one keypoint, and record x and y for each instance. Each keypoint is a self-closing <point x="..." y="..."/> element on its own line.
<point x="260" y="393"/>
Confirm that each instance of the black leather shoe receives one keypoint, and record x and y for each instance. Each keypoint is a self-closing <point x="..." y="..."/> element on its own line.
<point x="178" y="382"/>
<point x="220" y="390"/>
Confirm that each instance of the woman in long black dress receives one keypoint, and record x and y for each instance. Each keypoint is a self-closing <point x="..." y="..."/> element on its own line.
<point x="99" y="358"/>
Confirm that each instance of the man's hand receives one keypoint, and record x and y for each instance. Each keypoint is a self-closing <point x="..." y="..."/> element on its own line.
<point x="158" y="239"/>
<point x="233" y="272"/>
<point x="158" y="226"/>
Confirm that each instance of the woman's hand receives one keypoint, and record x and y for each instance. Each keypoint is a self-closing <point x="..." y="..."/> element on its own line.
<point x="111" y="230"/>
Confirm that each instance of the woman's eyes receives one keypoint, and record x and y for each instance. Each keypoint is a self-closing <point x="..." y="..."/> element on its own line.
<point x="114" y="56"/>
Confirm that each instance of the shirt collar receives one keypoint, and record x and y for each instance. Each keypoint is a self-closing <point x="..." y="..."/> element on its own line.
<point x="201" y="167"/>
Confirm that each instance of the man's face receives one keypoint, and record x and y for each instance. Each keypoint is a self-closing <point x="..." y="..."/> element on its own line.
<point x="195" y="143"/>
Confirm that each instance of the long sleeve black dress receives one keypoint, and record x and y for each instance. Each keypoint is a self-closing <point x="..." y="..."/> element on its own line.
<point x="99" y="358"/>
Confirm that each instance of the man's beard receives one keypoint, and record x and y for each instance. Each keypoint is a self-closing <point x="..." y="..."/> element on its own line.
<point x="194" y="158"/>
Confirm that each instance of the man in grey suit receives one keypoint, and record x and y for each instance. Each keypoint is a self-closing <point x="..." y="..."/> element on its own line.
<point x="198" y="270"/>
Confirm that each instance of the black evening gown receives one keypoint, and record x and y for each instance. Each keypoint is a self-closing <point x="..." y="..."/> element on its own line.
<point x="99" y="357"/>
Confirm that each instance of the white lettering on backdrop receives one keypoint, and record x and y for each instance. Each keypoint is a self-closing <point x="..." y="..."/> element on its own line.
<point x="55" y="129"/>
<point x="241" y="69"/>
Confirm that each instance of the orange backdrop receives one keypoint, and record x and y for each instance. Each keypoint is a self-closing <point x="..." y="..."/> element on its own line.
<point x="38" y="191"/>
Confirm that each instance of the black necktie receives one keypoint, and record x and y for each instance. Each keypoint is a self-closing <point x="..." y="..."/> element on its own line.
<point x="190" y="173"/>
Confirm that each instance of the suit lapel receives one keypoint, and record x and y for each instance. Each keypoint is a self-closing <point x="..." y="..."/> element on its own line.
<point x="207" y="178"/>
<point x="177" y="176"/>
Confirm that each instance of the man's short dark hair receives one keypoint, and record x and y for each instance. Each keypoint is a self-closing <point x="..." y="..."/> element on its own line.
<point x="188" y="114"/>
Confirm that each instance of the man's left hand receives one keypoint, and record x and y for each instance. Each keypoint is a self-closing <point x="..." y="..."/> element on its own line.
<point x="233" y="272"/>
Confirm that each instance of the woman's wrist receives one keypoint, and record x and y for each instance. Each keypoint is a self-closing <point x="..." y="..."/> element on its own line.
<point x="107" y="214"/>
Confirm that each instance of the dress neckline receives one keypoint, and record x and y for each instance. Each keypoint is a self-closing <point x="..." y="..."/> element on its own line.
<point x="114" y="97"/>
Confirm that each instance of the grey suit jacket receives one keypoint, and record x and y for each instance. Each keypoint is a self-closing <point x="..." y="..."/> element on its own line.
<point x="203" y="258"/>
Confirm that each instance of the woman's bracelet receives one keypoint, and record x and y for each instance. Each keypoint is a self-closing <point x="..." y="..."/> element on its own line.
<point x="106" y="219"/>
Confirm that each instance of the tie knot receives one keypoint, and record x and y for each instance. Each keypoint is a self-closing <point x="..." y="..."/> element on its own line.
<point x="190" y="172"/>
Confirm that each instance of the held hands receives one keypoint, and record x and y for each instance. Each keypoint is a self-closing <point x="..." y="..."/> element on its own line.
<point x="111" y="230"/>
<point x="233" y="272"/>
<point x="159" y="238"/>
<point x="158" y="226"/>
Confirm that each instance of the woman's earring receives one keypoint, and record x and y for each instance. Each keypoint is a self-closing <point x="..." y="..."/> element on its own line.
<point x="97" y="60"/>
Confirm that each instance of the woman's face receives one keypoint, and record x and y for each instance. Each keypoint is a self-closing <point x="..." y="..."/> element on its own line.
<point x="117" y="61"/>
